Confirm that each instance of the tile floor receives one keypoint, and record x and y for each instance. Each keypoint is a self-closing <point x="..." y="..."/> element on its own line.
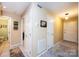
<point x="6" y="52"/>
<point x="16" y="52"/>
<point x="4" y="49"/>
<point x="63" y="49"/>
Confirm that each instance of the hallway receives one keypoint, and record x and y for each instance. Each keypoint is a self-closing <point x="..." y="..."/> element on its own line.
<point x="62" y="49"/>
<point x="37" y="28"/>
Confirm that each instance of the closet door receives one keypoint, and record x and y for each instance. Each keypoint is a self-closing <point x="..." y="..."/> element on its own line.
<point x="70" y="30"/>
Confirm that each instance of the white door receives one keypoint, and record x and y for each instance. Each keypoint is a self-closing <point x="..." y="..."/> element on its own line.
<point x="70" y="31"/>
<point x="50" y="33"/>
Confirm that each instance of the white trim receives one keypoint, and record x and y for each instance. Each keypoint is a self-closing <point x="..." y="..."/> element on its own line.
<point x="47" y="49"/>
<point x="21" y="31"/>
<point x="44" y="51"/>
<point x="9" y="35"/>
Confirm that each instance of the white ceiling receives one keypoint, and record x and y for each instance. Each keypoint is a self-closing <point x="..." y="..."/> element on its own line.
<point x="60" y="7"/>
<point x="16" y="7"/>
<point x="54" y="7"/>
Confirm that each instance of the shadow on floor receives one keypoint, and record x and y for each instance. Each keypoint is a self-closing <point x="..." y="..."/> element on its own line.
<point x="16" y="52"/>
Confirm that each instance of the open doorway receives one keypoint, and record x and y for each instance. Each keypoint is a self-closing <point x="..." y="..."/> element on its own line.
<point x="4" y="36"/>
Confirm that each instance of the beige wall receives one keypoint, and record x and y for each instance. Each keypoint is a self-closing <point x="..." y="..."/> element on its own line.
<point x="58" y="30"/>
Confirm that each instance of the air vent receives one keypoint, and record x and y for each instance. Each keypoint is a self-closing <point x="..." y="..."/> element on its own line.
<point x="39" y="6"/>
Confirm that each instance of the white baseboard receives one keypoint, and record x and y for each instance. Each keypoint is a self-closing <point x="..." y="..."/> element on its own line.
<point x="48" y="49"/>
<point x="44" y="51"/>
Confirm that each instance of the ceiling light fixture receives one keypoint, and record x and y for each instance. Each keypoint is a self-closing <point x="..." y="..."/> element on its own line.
<point x="66" y="13"/>
<point x="66" y="16"/>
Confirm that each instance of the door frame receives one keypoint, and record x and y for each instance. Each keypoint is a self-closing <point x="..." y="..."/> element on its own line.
<point x="9" y="29"/>
<point x="22" y="27"/>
